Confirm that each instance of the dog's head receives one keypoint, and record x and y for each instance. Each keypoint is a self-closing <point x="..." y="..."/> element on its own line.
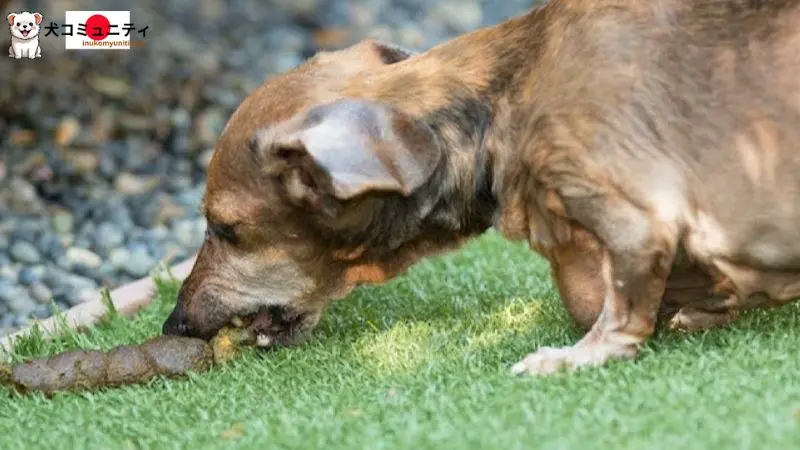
<point x="24" y="25"/>
<point x="307" y="194"/>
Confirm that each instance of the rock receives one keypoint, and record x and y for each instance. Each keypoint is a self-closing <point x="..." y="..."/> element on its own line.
<point x="22" y="196"/>
<point x="130" y="184"/>
<point x="56" y="278"/>
<point x="181" y="119"/>
<point x="297" y="7"/>
<point x="460" y="16"/>
<point x="62" y="222"/>
<point x="82" y="296"/>
<point x="121" y="218"/>
<point x="114" y="87"/>
<point x="51" y="246"/>
<point x="41" y="293"/>
<point x="189" y="233"/>
<point x="30" y="275"/>
<point x="68" y="129"/>
<point x="118" y="257"/>
<point x="138" y="264"/>
<point x="25" y="252"/>
<point x="42" y="312"/>
<point x="168" y="209"/>
<point x="25" y="231"/>
<point x="135" y="123"/>
<point x="331" y="38"/>
<point x="144" y="209"/>
<point x="83" y="161"/>
<point x="204" y="159"/>
<point x="84" y="257"/>
<point x="209" y="125"/>
<point x="107" y="237"/>
<point x="107" y="166"/>
<point x="10" y="271"/>
<point x="18" y="300"/>
<point x="23" y="138"/>
<point x="106" y="274"/>
<point x="177" y="184"/>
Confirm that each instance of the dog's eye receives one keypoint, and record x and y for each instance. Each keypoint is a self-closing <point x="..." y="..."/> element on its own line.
<point x="18" y="24"/>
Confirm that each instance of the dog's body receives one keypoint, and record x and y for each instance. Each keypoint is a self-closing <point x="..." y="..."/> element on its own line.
<point x="24" y="29"/>
<point x="648" y="149"/>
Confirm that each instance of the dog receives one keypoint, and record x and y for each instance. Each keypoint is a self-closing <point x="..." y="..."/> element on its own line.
<point x="647" y="149"/>
<point x="24" y="29"/>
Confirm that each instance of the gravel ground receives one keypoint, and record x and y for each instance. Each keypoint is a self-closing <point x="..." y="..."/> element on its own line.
<point x="102" y="154"/>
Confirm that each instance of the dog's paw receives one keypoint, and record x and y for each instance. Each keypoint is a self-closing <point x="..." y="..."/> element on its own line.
<point x="545" y="361"/>
<point x="549" y="360"/>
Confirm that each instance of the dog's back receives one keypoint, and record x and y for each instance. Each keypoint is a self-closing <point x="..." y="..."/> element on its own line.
<point x="691" y="108"/>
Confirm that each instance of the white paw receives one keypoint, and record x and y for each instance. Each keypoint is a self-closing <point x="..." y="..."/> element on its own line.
<point x="262" y="340"/>
<point x="545" y="361"/>
<point x="549" y="360"/>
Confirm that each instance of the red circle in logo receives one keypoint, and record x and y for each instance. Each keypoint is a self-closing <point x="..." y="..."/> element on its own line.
<point x="98" y="27"/>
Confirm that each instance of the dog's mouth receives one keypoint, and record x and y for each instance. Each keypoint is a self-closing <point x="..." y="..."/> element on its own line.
<point x="274" y="326"/>
<point x="25" y="33"/>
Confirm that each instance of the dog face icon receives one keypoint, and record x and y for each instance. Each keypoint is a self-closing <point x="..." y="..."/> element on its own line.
<point x="24" y="27"/>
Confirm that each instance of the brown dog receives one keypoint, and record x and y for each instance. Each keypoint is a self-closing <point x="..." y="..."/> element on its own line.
<point x="626" y="140"/>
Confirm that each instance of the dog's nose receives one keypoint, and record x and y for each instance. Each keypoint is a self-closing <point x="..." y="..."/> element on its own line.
<point x="177" y="323"/>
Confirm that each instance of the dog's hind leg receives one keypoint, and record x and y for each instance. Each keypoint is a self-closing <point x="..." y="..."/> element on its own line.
<point x="638" y="254"/>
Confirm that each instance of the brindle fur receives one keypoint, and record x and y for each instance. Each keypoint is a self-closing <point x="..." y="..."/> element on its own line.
<point x="648" y="149"/>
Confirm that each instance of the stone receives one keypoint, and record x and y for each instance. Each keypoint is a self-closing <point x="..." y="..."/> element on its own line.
<point x="18" y="300"/>
<point x="41" y="293"/>
<point x="22" y="196"/>
<point x="25" y="252"/>
<point x="51" y="246"/>
<point x="82" y="296"/>
<point x="82" y="256"/>
<point x="63" y="222"/>
<point x="130" y="184"/>
<point x="138" y="264"/>
<point x="30" y="275"/>
<point x="83" y="161"/>
<point x="118" y="257"/>
<point x="114" y="87"/>
<point x="58" y="278"/>
<point x="68" y="129"/>
<point x="42" y="312"/>
<point x="107" y="237"/>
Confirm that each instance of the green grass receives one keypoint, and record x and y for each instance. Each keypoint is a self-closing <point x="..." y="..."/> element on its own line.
<point x="422" y="362"/>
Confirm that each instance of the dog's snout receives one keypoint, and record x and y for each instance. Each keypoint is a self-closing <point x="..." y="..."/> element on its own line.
<point x="177" y="324"/>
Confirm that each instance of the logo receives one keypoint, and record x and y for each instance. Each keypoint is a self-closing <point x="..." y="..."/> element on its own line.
<point x="98" y="30"/>
<point x="24" y="27"/>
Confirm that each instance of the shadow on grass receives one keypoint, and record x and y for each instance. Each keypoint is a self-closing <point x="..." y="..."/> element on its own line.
<point x="486" y="305"/>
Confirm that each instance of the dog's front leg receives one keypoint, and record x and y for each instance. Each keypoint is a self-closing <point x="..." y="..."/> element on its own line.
<point x="637" y="256"/>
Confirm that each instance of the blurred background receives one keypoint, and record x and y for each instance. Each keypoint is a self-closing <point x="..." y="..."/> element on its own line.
<point x="103" y="153"/>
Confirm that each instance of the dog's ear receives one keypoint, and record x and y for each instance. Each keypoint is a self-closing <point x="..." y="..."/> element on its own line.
<point x="347" y="148"/>
<point x="38" y="18"/>
<point x="11" y="18"/>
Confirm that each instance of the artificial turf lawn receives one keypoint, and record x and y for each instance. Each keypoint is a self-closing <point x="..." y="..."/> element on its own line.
<point x="423" y="362"/>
